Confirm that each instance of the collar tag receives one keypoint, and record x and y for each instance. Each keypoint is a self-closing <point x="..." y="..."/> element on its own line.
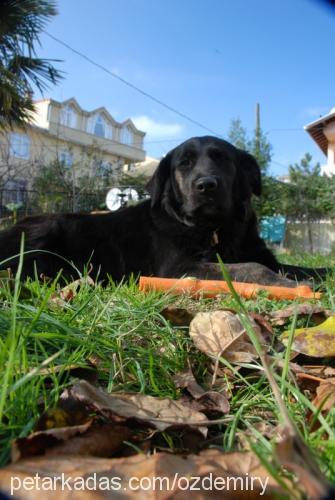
<point x="215" y="239"/>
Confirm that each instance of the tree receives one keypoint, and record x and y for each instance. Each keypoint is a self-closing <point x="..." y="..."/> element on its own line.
<point x="21" y="22"/>
<point x="81" y="186"/>
<point x="261" y="149"/>
<point x="259" y="146"/>
<point x="52" y="188"/>
<point x="237" y="134"/>
<point x="311" y="196"/>
<point x="272" y="200"/>
<point x="137" y="182"/>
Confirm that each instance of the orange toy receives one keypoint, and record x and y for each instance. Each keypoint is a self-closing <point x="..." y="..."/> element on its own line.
<point x="211" y="288"/>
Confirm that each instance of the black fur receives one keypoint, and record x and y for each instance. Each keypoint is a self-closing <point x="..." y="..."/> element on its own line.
<point x="200" y="189"/>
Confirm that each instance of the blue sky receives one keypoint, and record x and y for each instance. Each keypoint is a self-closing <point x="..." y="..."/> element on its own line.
<point x="211" y="60"/>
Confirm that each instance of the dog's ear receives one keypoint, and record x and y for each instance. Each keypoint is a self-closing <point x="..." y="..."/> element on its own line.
<point x="157" y="183"/>
<point x="251" y="173"/>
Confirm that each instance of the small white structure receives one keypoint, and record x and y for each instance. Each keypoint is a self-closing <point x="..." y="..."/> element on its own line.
<point x="322" y="132"/>
<point x="146" y="167"/>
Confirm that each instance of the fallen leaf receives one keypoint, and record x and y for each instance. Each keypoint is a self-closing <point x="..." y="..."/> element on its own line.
<point x="247" y="438"/>
<point x="67" y="293"/>
<point x="220" y="333"/>
<point x="222" y="476"/>
<point x="317" y="341"/>
<point x="328" y="371"/>
<point x="186" y="380"/>
<point x="212" y="401"/>
<point x="92" y="438"/>
<point x="178" y="316"/>
<point x="295" y="456"/>
<point x="325" y="395"/>
<point x="264" y="324"/>
<point x="319" y="372"/>
<point x="322" y="371"/>
<point x="318" y="313"/>
<point x="156" y="412"/>
<point x="68" y="413"/>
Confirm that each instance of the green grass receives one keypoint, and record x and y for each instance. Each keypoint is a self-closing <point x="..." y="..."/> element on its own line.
<point x="307" y="259"/>
<point x="138" y="351"/>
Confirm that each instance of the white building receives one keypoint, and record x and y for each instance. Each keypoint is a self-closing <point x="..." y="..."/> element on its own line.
<point x="67" y="132"/>
<point x="322" y="132"/>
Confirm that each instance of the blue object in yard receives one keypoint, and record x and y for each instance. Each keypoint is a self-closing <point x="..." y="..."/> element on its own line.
<point x="272" y="229"/>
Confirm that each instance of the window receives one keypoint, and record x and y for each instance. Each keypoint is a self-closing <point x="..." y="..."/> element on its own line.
<point x="68" y="117"/>
<point x="14" y="191"/>
<point x="127" y="136"/>
<point x="99" y="127"/>
<point x="66" y="157"/>
<point x="19" y="146"/>
<point x="109" y="131"/>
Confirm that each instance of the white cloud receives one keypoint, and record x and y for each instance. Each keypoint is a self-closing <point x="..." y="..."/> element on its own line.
<point x="157" y="130"/>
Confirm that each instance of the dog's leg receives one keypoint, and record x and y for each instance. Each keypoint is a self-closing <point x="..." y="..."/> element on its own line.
<point x="246" y="272"/>
<point x="304" y="273"/>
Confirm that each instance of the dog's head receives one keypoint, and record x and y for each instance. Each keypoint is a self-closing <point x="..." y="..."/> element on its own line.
<point x="204" y="179"/>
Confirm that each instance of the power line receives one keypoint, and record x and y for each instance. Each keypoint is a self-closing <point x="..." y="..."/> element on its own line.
<point x="131" y="85"/>
<point x="278" y="163"/>
<point x="284" y="130"/>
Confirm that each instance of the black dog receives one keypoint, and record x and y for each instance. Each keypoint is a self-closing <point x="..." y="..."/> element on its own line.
<point x="200" y="206"/>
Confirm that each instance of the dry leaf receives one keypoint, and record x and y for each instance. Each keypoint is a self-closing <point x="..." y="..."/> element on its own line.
<point x="238" y="476"/>
<point x="178" y="316"/>
<point x="159" y="413"/>
<point x="306" y="309"/>
<point x="295" y="456"/>
<point x="92" y="438"/>
<point x="264" y="324"/>
<point x="207" y="400"/>
<point x="317" y="341"/>
<point x="316" y="372"/>
<point x="66" y="294"/>
<point x="220" y="333"/>
<point x="325" y="395"/>
<point x="328" y="371"/>
<point x="247" y="438"/>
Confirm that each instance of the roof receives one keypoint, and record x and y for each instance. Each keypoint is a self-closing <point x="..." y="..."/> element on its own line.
<point x="146" y="167"/>
<point x="316" y="130"/>
<point x="101" y="109"/>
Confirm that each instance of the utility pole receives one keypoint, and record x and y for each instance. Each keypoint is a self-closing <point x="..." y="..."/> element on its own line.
<point x="257" y="132"/>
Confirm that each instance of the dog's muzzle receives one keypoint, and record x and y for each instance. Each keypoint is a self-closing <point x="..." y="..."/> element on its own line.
<point x="205" y="185"/>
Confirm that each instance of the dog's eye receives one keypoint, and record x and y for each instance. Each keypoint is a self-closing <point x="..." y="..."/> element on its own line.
<point x="187" y="161"/>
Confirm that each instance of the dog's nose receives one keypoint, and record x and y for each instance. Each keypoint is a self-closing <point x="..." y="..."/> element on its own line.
<point x="206" y="184"/>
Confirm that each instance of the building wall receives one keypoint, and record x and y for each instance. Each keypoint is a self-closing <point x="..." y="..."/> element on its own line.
<point x="329" y="132"/>
<point x="49" y="139"/>
<point x="46" y="148"/>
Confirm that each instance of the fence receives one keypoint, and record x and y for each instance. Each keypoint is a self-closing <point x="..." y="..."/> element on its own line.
<point x="15" y="204"/>
<point x="299" y="237"/>
<point x="26" y="202"/>
<point x="317" y="237"/>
